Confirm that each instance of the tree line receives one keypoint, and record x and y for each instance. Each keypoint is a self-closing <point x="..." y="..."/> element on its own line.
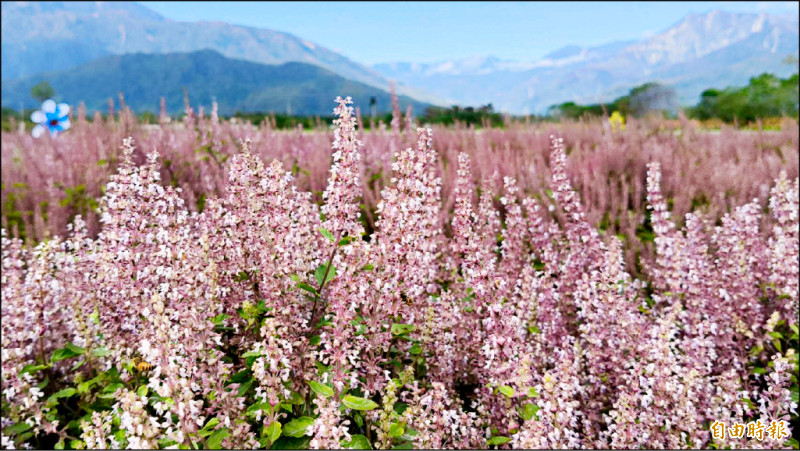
<point x="764" y="96"/>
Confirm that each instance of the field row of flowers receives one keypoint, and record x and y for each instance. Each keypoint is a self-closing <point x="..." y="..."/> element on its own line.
<point x="47" y="182"/>
<point x="416" y="299"/>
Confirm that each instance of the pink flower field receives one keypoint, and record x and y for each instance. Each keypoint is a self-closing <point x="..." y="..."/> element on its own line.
<point x="207" y="284"/>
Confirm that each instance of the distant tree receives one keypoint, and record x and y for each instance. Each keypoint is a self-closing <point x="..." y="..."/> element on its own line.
<point x="480" y="116"/>
<point x="765" y="96"/>
<point x="148" y="117"/>
<point x="42" y="91"/>
<point x="652" y="97"/>
<point x="705" y="108"/>
<point x="571" y="110"/>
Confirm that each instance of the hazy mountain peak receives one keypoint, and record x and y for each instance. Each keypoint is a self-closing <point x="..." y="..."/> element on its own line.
<point x="132" y="9"/>
<point x="564" y="52"/>
<point x="711" y="49"/>
<point x="698" y="35"/>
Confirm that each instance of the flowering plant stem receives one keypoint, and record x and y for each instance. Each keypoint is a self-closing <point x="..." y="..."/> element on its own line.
<point x="318" y="295"/>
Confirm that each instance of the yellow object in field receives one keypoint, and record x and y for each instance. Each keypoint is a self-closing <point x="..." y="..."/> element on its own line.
<point x="617" y="121"/>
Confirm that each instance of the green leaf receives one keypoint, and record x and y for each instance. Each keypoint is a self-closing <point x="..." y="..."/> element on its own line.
<point x="297" y="427"/>
<point x="273" y="431"/>
<point x="254" y="408"/>
<point x="219" y="318"/>
<point x="142" y="391"/>
<point x="534" y="329"/>
<point x="320" y="273"/>
<point x="498" y="440"/>
<point x="326" y="234"/>
<point x="400" y="329"/>
<point x="112" y="388"/>
<point x="59" y="444"/>
<point x="251" y="354"/>
<point x="67" y="352"/>
<point x="164" y="443"/>
<point x="354" y="402"/>
<point x="210" y="425"/>
<point x="410" y="434"/>
<point x="776" y="334"/>
<point x="345" y="240"/>
<point x="506" y="390"/>
<point x="396" y="429"/>
<point x="321" y="389"/>
<point x="121" y="436"/>
<point x="307" y="287"/>
<point x="528" y="411"/>
<point x="241" y="376"/>
<point x="532" y="393"/>
<point x="17" y="428"/>
<point x="357" y="441"/>
<point x="32" y="368"/>
<point x="288" y="443"/>
<point x="406" y="445"/>
<point x="415" y="349"/>
<point x="215" y="440"/>
<point x="245" y="386"/>
<point x="368" y="267"/>
<point x="400" y="407"/>
<point x="84" y="387"/>
<point x="65" y="393"/>
<point x="296" y="399"/>
<point x="100" y="352"/>
<point x="314" y="340"/>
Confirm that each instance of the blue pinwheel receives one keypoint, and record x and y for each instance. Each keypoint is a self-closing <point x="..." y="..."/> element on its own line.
<point x="51" y="117"/>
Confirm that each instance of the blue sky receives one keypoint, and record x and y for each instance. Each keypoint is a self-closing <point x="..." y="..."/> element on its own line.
<point x="374" y="32"/>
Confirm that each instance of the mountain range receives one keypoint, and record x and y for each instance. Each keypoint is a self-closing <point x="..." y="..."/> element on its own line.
<point x="69" y="43"/>
<point x="47" y="36"/>
<point x="716" y="49"/>
<point x="42" y="37"/>
<point x="236" y="85"/>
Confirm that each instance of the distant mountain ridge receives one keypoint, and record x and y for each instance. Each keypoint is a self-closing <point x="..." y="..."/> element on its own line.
<point x="42" y="37"/>
<point x="236" y="85"/>
<point x="716" y="49"/>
